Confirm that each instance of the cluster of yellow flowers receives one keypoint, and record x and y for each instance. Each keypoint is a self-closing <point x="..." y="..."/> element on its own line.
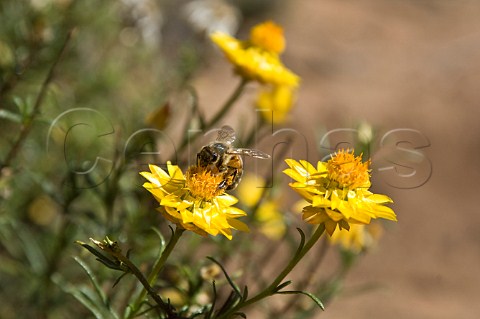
<point x="258" y="59"/>
<point x="336" y="191"/>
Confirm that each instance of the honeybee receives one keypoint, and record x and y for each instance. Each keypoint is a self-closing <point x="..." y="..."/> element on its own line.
<point x="219" y="157"/>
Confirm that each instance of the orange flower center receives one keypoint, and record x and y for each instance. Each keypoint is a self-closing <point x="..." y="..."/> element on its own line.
<point x="268" y="36"/>
<point x="202" y="183"/>
<point x="348" y="170"/>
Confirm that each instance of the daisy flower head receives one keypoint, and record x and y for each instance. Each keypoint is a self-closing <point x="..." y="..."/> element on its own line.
<point x="337" y="192"/>
<point x="194" y="201"/>
<point x="258" y="58"/>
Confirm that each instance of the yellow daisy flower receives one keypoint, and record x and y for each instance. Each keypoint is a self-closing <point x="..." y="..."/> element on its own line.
<point x="275" y="103"/>
<point x="337" y="191"/>
<point x="256" y="59"/>
<point x="358" y="238"/>
<point x="194" y="201"/>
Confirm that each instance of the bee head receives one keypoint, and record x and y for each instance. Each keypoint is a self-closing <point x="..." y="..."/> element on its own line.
<point x="211" y="154"/>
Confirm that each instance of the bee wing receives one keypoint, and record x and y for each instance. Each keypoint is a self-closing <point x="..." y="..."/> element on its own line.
<point x="226" y="135"/>
<point x="249" y="152"/>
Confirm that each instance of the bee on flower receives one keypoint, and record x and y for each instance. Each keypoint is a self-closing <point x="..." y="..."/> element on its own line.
<point x="337" y="192"/>
<point x="194" y="201"/>
<point x="197" y="201"/>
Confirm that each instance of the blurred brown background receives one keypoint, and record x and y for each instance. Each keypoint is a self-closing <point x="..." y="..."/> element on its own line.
<point x="397" y="64"/>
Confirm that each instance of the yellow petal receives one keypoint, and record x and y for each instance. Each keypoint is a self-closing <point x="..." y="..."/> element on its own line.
<point x="226" y="200"/>
<point x="320" y="201"/>
<point x="238" y="225"/>
<point x="379" y="198"/>
<point x="335" y="216"/>
<point x="330" y="226"/>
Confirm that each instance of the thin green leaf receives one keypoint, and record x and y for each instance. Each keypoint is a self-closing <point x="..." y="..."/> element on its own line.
<point x="89" y="304"/>
<point x="296" y="292"/>
<point x="245" y="293"/>
<point x="210" y="312"/>
<point x="230" y="281"/>
<point x="144" y="312"/>
<point x="32" y="250"/>
<point x="119" y="278"/>
<point x="22" y="105"/>
<point x="84" y="298"/>
<point x="195" y="107"/>
<point x="230" y="302"/>
<point x="93" y="279"/>
<point x="162" y="239"/>
<point x="90" y="249"/>
<point x="283" y="285"/>
<point x="302" y="241"/>
<point x="110" y="263"/>
<point x="7" y="115"/>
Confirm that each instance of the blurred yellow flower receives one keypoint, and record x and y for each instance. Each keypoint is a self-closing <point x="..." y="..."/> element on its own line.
<point x="256" y="59"/>
<point x="210" y="272"/>
<point x="268" y="36"/>
<point x="250" y="190"/>
<point x="358" y="238"/>
<point x="268" y="215"/>
<point x="271" y="220"/>
<point x="174" y="295"/>
<point x="194" y="201"/>
<point x="337" y="191"/>
<point x="275" y="103"/>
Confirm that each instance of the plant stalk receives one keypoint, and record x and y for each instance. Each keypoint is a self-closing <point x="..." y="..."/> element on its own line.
<point x="272" y="288"/>
<point x="157" y="267"/>
<point x="220" y="114"/>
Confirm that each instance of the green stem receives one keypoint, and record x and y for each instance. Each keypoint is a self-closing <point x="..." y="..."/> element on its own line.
<point x="228" y="104"/>
<point x="28" y="122"/>
<point x="157" y="267"/>
<point x="310" y="273"/>
<point x="272" y="288"/>
<point x="217" y="117"/>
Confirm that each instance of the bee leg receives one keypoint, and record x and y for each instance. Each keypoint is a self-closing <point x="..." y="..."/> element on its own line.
<point x="198" y="159"/>
<point x="222" y="185"/>
<point x="234" y="180"/>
